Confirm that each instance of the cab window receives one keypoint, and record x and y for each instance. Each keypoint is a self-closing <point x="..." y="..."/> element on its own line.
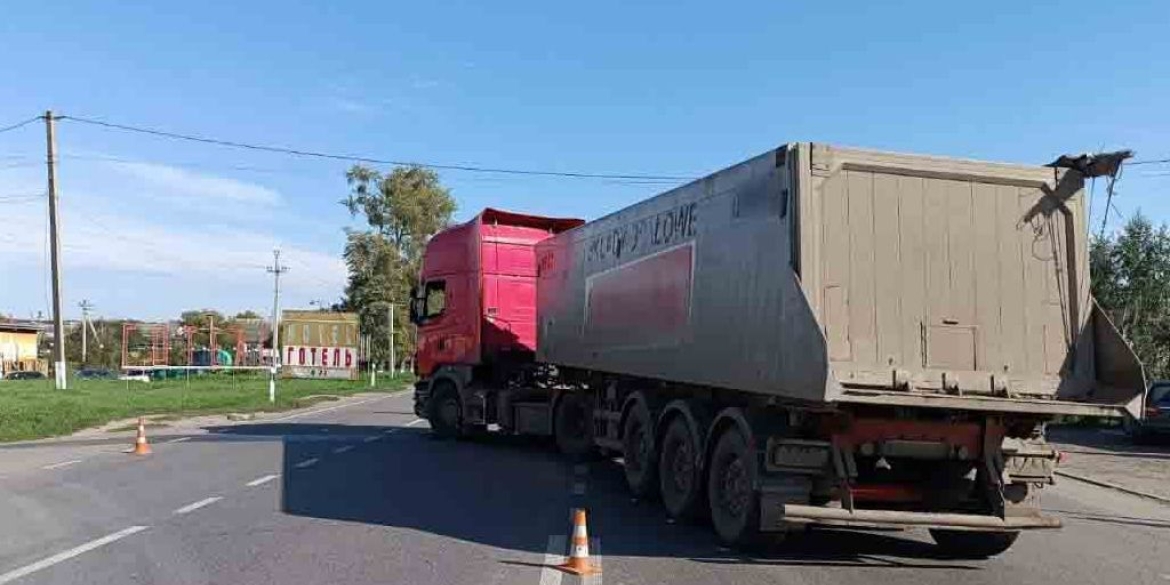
<point x="435" y="299"/>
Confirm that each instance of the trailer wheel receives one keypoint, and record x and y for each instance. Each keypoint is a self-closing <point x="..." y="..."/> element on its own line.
<point x="445" y="416"/>
<point x="638" y="453"/>
<point x="962" y="544"/>
<point x="679" y="471"/>
<point x="734" y="502"/>
<point x="572" y="425"/>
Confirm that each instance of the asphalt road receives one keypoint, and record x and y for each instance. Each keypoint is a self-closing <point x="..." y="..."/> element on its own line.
<point x="362" y="494"/>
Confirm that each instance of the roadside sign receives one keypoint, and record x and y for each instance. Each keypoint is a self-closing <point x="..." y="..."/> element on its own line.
<point x="319" y="344"/>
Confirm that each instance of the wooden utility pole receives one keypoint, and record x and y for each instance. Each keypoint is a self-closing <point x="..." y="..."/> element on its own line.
<point x="55" y="256"/>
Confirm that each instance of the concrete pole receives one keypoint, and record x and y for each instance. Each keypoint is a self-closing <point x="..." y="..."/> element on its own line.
<point x="393" y="363"/>
<point x="55" y="255"/>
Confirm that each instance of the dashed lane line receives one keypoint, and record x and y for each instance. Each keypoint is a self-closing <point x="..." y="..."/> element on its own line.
<point x="196" y="505"/>
<point x="578" y="488"/>
<point x="307" y="463"/>
<point x="262" y="480"/>
<point x="343" y="449"/>
<point x="66" y="555"/>
<point x="62" y="464"/>
<point x="388" y="431"/>
<point x="553" y="555"/>
<point x="416" y="421"/>
<point x="331" y="408"/>
<point x="371" y="439"/>
<point x="179" y="440"/>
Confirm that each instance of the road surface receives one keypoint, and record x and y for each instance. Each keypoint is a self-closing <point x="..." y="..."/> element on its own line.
<point x="361" y="494"/>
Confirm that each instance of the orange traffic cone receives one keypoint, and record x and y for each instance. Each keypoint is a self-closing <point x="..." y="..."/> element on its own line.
<point x="141" y="447"/>
<point x="578" y="563"/>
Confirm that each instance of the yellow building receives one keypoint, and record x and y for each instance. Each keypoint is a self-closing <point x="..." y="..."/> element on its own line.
<point x="18" y="348"/>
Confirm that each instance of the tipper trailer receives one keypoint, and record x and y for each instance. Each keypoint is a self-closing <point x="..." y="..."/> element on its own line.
<point x="817" y="335"/>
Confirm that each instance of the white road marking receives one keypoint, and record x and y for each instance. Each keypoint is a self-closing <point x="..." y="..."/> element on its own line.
<point x="343" y="449"/>
<point x="416" y="421"/>
<point x="62" y="464"/>
<point x="262" y="480"/>
<point x="64" y="556"/>
<point x="370" y="439"/>
<point x="195" y="506"/>
<point x="179" y="440"/>
<point x="307" y="462"/>
<point x="578" y="488"/>
<point x="319" y="411"/>
<point x="580" y="469"/>
<point x="595" y="556"/>
<point x="387" y="431"/>
<point x="553" y="556"/>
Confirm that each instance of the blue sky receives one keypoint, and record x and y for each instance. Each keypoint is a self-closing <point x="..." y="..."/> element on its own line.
<point x="152" y="227"/>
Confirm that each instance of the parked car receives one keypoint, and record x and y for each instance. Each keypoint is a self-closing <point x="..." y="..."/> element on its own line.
<point x="26" y="375"/>
<point x="135" y="375"/>
<point x="1156" y="421"/>
<point x="95" y="374"/>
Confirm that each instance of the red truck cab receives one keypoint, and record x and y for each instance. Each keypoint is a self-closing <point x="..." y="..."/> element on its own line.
<point x="475" y="304"/>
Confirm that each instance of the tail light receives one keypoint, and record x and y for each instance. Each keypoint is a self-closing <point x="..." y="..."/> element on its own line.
<point x="1153" y="412"/>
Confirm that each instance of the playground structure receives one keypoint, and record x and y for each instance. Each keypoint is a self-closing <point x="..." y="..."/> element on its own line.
<point x="163" y="346"/>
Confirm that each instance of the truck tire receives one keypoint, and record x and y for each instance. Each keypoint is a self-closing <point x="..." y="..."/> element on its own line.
<point x="960" y="544"/>
<point x="572" y="426"/>
<point x="734" y="502"/>
<point x="638" y="452"/>
<point x="445" y="411"/>
<point x="680" y="478"/>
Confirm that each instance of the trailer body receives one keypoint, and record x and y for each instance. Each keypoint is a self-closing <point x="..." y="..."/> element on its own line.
<point x="816" y="273"/>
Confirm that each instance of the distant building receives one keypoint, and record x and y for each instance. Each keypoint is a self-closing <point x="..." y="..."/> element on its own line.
<point x="18" y="347"/>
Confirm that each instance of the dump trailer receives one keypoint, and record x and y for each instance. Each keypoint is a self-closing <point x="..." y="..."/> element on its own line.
<point x="815" y="336"/>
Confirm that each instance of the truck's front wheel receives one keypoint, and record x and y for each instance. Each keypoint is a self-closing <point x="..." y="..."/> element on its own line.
<point x="444" y="409"/>
<point x="972" y="545"/>
<point x="734" y="502"/>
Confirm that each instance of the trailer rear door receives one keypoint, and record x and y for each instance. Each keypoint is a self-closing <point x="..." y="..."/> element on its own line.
<point x="943" y="274"/>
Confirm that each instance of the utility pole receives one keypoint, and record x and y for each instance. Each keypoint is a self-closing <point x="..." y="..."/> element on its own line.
<point x="55" y="255"/>
<point x="393" y="364"/>
<point x="276" y="270"/>
<point x="85" y="307"/>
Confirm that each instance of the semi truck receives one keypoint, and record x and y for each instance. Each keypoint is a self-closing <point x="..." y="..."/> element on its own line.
<point x="818" y="335"/>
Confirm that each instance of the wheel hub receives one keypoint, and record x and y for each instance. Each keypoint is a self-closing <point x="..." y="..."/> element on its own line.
<point x="734" y="488"/>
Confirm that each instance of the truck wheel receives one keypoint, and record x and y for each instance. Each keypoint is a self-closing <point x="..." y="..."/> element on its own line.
<point x="735" y="505"/>
<point x="445" y="416"/>
<point x="572" y="425"/>
<point x="640" y="458"/>
<point x="962" y="544"/>
<point x="679" y="473"/>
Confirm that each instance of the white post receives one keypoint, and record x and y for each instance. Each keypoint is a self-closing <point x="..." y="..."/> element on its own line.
<point x="393" y="364"/>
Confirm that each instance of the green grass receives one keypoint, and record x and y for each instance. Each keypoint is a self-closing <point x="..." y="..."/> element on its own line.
<point x="33" y="409"/>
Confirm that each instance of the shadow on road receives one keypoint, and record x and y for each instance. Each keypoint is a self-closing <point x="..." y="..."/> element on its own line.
<point x="513" y="494"/>
<point x="1109" y="443"/>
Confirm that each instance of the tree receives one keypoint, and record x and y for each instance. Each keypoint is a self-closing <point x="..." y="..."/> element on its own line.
<point x="248" y="314"/>
<point x="1131" y="280"/>
<point x="402" y="210"/>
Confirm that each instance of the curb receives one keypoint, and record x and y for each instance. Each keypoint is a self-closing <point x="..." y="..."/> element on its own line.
<point x="1112" y="486"/>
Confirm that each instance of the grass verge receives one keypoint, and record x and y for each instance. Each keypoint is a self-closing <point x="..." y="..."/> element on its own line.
<point x="32" y="409"/>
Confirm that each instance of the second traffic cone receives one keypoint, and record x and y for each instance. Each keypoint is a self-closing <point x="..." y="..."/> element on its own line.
<point x="141" y="447"/>
<point x="578" y="563"/>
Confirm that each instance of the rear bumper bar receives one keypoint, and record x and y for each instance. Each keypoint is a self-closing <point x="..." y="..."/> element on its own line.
<point x="801" y="514"/>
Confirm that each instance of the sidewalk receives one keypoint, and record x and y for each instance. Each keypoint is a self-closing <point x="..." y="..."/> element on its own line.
<point x="1108" y="455"/>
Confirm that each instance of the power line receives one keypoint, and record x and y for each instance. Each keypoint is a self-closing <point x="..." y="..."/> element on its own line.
<point x="1150" y="162"/>
<point x="21" y="124"/>
<point x="366" y="159"/>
